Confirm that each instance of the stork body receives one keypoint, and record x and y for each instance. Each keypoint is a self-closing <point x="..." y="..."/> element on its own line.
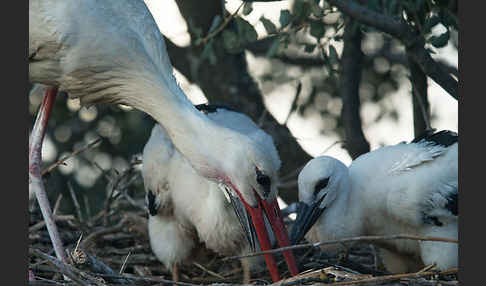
<point x="112" y="51"/>
<point x="186" y="208"/>
<point x="402" y="189"/>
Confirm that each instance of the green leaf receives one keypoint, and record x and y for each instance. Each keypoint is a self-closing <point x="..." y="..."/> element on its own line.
<point x="285" y="18"/>
<point x="274" y="47"/>
<point x="246" y="30"/>
<point x="215" y="23"/>
<point x="440" y="41"/>
<point x="317" y="29"/>
<point x="309" y="48"/>
<point x="247" y="8"/>
<point x="333" y="55"/>
<point x="301" y="9"/>
<point x="230" y="41"/>
<point x="269" y="26"/>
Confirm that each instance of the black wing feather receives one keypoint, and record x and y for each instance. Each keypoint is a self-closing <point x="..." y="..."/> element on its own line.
<point x="211" y="108"/>
<point x="443" y="137"/>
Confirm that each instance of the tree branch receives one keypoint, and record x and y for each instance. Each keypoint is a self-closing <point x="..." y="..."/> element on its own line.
<point x="403" y="32"/>
<point x="421" y="109"/>
<point x="350" y="77"/>
<point x="229" y="82"/>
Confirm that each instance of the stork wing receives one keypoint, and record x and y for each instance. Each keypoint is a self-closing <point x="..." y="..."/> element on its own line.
<point x="424" y="149"/>
<point x="416" y="183"/>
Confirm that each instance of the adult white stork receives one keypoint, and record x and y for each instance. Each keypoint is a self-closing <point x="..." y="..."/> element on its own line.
<point x="400" y="189"/>
<point x="111" y="51"/>
<point x="185" y="208"/>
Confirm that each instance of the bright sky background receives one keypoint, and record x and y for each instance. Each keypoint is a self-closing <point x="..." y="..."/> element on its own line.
<point x="278" y="102"/>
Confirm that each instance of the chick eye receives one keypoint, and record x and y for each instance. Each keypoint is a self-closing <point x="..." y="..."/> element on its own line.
<point x="321" y="184"/>
<point x="264" y="181"/>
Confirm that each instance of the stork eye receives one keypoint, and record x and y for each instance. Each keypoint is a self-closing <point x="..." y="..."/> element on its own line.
<point x="321" y="184"/>
<point x="264" y="181"/>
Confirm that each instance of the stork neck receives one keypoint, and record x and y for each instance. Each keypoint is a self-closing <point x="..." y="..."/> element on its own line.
<point x="189" y="130"/>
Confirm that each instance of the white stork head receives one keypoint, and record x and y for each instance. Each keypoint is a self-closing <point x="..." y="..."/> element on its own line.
<point x="320" y="182"/>
<point x="249" y="176"/>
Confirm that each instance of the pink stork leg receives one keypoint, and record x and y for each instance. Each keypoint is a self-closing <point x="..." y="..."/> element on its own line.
<point x="35" y="177"/>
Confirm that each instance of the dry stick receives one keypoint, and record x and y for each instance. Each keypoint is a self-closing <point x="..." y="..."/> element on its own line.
<point x="148" y="279"/>
<point x="208" y="271"/>
<point x="220" y="28"/>
<point x="103" y="231"/>
<point x="66" y="269"/>
<point x="351" y="239"/>
<point x="35" y="177"/>
<point x="57" y="204"/>
<point x="74" y="153"/>
<point x="293" y="107"/>
<point x="91" y="263"/>
<point x="75" y="201"/>
<point x="87" y="207"/>
<point x="124" y="265"/>
<point x="41" y="224"/>
<point x="395" y="277"/>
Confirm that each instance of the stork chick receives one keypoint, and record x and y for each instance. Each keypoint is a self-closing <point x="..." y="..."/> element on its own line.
<point x="185" y="207"/>
<point x="111" y="51"/>
<point x="401" y="189"/>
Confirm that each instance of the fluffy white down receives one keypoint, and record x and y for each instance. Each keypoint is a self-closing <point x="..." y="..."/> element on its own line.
<point x="170" y="242"/>
<point x="195" y="202"/>
<point x="389" y="191"/>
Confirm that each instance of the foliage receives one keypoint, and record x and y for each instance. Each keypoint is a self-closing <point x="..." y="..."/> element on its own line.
<point x="308" y="37"/>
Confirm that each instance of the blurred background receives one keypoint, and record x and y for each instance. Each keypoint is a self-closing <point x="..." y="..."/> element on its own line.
<point x="315" y="79"/>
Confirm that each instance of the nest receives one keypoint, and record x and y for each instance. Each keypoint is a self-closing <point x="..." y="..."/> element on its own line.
<point x="112" y="248"/>
<point x="118" y="253"/>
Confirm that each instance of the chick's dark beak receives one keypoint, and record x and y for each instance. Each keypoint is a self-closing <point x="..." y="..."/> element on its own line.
<point x="306" y="217"/>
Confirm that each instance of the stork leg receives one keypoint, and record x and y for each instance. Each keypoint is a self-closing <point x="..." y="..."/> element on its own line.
<point x="175" y="273"/>
<point x="245" y="265"/>
<point x="35" y="176"/>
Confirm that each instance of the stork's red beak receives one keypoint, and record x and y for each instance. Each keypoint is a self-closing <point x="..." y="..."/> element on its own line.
<point x="272" y="211"/>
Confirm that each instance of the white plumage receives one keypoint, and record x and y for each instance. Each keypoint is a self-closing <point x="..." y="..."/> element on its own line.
<point x="185" y="208"/>
<point x="401" y="189"/>
<point x="112" y="51"/>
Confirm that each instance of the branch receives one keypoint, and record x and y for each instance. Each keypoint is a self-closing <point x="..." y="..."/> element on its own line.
<point x="349" y="80"/>
<point x="74" y="153"/>
<point x="370" y="238"/>
<point x="226" y="21"/>
<point x="360" y="280"/>
<point x="402" y="31"/>
<point x="64" y="268"/>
